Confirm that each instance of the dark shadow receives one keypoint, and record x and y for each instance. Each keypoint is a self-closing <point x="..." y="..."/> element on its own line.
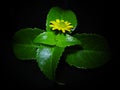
<point x="72" y="49"/>
<point x="63" y="67"/>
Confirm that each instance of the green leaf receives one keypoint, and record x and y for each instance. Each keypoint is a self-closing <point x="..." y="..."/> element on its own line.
<point x="46" y="38"/>
<point x="23" y="45"/>
<point x="48" y="57"/>
<point x="64" y="40"/>
<point x="94" y="53"/>
<point x="58" y="13"/>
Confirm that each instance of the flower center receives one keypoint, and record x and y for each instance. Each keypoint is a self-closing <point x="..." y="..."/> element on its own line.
<point x="62" y="25"/>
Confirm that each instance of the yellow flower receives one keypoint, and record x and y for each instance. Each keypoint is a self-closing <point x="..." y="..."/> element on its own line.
<point x="61" y="25"/>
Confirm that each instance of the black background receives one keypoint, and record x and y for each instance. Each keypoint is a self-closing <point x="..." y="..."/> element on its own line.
<point x="26" y="74"/>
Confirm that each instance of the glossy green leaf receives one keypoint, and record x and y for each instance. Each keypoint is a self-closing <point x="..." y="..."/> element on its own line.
<point x="64" y="40"/>
<point x="48" y="57"/>
<point x="23" y="45"/>
<point x="59" y="13"/>
<point x="94" y="53"/>
<point x="46" y="38"/>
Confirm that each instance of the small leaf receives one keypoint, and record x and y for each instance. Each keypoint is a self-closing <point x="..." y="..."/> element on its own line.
<point x="58" y="13"/>
<point x="95" y="52"/>
<point x="66" y="40"/>
<point x="46" y="38"/>
<point x="23" y="45"/>
<point x="48" y="57"/>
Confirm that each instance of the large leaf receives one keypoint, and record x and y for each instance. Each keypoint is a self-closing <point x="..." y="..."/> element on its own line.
<point x="23" y="45"/>
<point x="64" y="40"/>
<point x="94" y="53"/>
<point x="58" y="13"/>
<point x="48" y="58"/>
<point x="46" y="38"/>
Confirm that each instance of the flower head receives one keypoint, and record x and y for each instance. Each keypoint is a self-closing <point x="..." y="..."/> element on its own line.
<point x="61" y="25"/>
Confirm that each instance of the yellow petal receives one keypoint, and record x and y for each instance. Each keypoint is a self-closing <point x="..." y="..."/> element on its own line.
<point x="51" y="25"/>
<point x="63" y="31"/>
<point x="70" y="26"/>
<point x="62" y="20"/>
<point x="57" y="20"/>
